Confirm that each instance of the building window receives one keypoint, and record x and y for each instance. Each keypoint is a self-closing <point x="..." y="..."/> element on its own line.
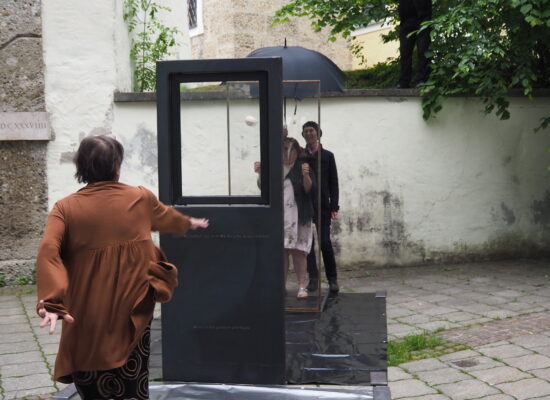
<point x="192" y="13"/>
<point x="194" y="16"/>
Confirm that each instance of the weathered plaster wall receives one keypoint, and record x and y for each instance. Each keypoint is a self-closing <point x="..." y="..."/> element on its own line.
<point x="463" y="186"/>
<point x="86" y="53"/>
<point x="23" y="185"/>
<point x="234" y="28"/>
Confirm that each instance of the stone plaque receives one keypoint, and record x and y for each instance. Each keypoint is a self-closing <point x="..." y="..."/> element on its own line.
<point x="25" y="126"/>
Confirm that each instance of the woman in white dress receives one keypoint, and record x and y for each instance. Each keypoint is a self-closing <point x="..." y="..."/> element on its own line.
<point x="298" y="212"/>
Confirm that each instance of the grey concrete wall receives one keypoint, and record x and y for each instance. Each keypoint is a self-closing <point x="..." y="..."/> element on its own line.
<point x="23" y="185"/>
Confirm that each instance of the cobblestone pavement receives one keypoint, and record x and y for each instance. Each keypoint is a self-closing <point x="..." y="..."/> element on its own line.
<point x="499" y="309"/>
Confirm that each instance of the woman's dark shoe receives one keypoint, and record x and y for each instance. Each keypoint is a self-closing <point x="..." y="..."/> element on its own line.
<point x="333" y="286"/>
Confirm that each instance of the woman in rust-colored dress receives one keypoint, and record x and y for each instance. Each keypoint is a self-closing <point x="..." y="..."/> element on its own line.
<point x="99" y="271"/>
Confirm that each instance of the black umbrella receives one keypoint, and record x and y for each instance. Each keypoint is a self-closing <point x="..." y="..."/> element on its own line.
<point x="303" y="64"/>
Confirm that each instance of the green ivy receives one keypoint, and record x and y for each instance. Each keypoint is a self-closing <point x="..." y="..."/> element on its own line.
<point x="152" y="42"/>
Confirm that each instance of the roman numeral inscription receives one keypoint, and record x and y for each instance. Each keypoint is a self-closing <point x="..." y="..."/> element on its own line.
<point x="25" y="126"/>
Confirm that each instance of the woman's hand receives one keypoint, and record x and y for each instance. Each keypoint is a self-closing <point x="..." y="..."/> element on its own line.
<point x="51" y="318"/>
<point x="305" y="169"/>
<point x="198" y="223"/>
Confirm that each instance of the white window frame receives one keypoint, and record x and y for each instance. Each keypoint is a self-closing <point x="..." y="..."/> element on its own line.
<point x="372" y="27"/>
<point x="199" y="29"/>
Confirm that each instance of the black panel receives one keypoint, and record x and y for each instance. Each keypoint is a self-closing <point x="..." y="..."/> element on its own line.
<point x="225" y="323"/>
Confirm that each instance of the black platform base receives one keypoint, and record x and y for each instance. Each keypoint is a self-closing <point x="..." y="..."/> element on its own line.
<point x="197" y="391"/>
<point x="344" y="345"/>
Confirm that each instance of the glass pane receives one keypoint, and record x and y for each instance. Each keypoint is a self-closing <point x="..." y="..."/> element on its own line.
<point x="220" y="139"/>
<point x="244" y="137"/>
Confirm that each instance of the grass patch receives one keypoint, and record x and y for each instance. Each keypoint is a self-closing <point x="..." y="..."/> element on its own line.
<point x="403" y="350"/>
<point x="419" y="347"/>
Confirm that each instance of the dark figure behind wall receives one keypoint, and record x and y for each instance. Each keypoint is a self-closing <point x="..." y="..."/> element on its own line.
<point x="411" y="14"/>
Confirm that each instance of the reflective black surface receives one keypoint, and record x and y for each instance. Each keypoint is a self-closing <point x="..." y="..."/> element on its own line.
<point x="343" y="345"/>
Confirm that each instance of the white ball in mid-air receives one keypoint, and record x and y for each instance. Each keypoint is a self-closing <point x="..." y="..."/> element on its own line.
<point x="250" y="120"/>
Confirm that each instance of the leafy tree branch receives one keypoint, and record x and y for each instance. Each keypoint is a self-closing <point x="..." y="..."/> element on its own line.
<point x="479" y="47"/>
<point x="152" y="42"/>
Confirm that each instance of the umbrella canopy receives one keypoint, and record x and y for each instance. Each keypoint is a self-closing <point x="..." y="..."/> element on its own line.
<point x="303" y="64"/>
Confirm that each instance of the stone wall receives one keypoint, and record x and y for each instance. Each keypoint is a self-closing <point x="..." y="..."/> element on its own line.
<point x="23" y="185"/>
<point x="463" y="186"/>
<point x="234" y="28"/>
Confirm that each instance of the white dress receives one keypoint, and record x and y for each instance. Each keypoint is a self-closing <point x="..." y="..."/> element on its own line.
<point x="296" y="236"/>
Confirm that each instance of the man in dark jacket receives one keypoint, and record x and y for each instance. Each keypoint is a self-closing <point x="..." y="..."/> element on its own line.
<point x="329" y="205"/>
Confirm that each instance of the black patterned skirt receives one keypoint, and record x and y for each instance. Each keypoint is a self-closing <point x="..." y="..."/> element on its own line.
<point x="131" y="381"/>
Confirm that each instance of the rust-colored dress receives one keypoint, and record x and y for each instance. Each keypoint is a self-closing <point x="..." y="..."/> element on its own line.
<point x="98" y="263"/>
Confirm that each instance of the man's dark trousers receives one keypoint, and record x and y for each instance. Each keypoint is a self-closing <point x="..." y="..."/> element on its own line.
<point x="411" y="14"/>
<point x="327" y="252"/>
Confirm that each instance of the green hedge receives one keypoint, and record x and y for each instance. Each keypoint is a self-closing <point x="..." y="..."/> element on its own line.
<point x="379" y="76"/>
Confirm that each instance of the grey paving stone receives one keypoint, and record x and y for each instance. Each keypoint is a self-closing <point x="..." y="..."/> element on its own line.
<point x="19" y="394"/>
<point x="531" y="341"/>
<point x="14" y="328"/>
<point x="526" y="388"/>
<point x="414" y="305"/>
<point x="500" y="314"/>
<point x="9" y="304"/>
<point x="47" y="339"/>
<point x="543" y="373"/>
<point x="50" y="348"/>
<point x="480" y="320"/>
<point x="495" y="344"/>
<point x="428" y="364"/>
<point x="542" y="300"/>
<point x="437" y="325"/>
<point x="23" y="369"/>
<point x="471" y="389"/>
<point x="494" y="300"/>
<point x="507" y="293"/>
<point x="545" y="350"/>
<point x="12" y="319"/>
<point x="13" y="384"/>
<point x="427" y="397"/>
<point x="12" y="311"/>
<point x="18" y="347"/>
<point x="409" y="388"/>
<point x="401" y="330"/>
<point x="397" y="374"/>
<point x="500" y="375"/>
<point x="16" y="337"/>
<point x="442" y="375"/>
<point x="460" y="316"/>
<point x="498" y="397"/>
<point x="519" y="306"/>
<point x="436" y="298"/>
<point x="51" y="360"/>
<point x="395" y="312"/>
<point x="437" y="310"/>
<point x="459" y="355"/>
<point x="505" y="351"/>
<point x="415" y="319"/>
<point x="529" y="362"/>
<point x="480" y="309"/>
<point x="476" y="363"/>
<point x="17" y="358"/>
